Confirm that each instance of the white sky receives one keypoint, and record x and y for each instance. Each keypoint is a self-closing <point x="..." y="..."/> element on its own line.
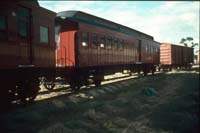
<point x="167" y="21"/>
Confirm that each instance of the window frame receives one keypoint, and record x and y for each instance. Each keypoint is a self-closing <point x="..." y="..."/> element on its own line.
<point x="47" y="34"/>
<point x="146" y="48"/>
<point x="100" y="41"/>
<point x="92" y="45"/>
<point x="87" y="42"/>
<point x="115" y="43"/>
<point x="121" y="43"/>
<point x="150" y="49"/>
<point x="109" y="40"/>
<point x="26" y="29"/>
<point x="154" y="50"/>
<point x="126" y="42"/>
<point x="24" y="20"/>
<point x="5" y="20"/>
<point x="4" y="32"/>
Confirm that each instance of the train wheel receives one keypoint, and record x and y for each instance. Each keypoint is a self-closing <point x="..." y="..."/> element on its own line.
<point x="130" y="73"/>
<point x="97" y="83"/>
<point x="145" y="71"/>
<point x="34" y="89"/>
<point x="75" y="86"/>
<point x="86" y="82"/>
<point x="153" y="69"/>
<point x="75" y="82"/>
<point x="189" y="66"/>
<point x="159" y="69"/>
<point x="97" y="79"/>
<point x="49" y="85"/>
<point x="28" y="91"/>
<point x="138" y="72"/>
<point x="22" y="90"/>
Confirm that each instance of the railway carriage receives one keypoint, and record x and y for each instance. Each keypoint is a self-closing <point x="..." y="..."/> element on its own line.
<point x="27" y="48"/>
<point x="92" y="47"/>
<point x="36" y="45"/>
<point x="88" y="47"/>
<point x="174" y="56"/>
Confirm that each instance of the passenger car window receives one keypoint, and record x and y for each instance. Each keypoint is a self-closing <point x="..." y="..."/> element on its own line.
<point x="102" y="41"/>
<point x="151" y="49"/>
<point x="44" y="34"/>
<point x="125" y="44"/>
<point x="22" y="13"/>
<point x="154" y="51"/>
<point x="115" y="43"/>
<point x="22" y="29"/>
<point x="146" y="48"/>
<point x="3" y="28"/>
<point x="94" y="41"/>
<point x="109" y="42"/>
<point x="120" y="44"/>
<point x="23" y="21"/>
<point x="85" y="39"/>
<point x="2" y="23"/>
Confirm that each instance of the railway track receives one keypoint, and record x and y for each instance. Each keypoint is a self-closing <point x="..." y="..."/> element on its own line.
<point x="62" y="89"/>
<point x="65" y="90"/>
<point x="92" y="106"/>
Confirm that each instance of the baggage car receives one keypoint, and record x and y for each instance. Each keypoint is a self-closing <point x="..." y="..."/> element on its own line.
<point x="173" y="56"/>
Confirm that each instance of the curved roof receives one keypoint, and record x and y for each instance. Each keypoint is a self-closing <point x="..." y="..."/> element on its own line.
<point x="80" y="16"/>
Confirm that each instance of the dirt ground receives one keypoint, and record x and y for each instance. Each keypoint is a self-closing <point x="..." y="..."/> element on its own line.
<point x="122" y="107"/>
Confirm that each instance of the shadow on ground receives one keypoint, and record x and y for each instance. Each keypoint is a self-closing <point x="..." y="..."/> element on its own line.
<point x="120" y="107"/>
<point x="180" y="113"/>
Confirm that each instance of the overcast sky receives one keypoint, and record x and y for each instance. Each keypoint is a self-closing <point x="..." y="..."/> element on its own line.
<point x="167" y="21"/>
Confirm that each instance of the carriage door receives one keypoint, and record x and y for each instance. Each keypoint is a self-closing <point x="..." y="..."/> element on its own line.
<point x="24" y="36"/>
<point x="139" y="50"/>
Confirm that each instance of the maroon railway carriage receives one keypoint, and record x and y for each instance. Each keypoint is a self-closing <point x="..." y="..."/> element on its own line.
<point x="92" y="47"/>
<point x="27" y="47"/>
<point x="173" y="56"/>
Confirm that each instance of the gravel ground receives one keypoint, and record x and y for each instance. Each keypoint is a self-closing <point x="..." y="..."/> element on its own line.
<point x="122" y="107"/>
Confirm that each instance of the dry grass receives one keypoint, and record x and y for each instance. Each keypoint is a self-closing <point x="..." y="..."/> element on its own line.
<point x="118" y="107"/>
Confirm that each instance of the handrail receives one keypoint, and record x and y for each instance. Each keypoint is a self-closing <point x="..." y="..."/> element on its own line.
<point x="65" y="57"/>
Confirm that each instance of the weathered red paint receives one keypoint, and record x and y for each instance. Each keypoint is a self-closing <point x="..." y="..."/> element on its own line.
<point x="15" y="51"/>
<point x="70" y="53"/>
<point x="65" y="53"/>
<point x="171" y="54"/>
